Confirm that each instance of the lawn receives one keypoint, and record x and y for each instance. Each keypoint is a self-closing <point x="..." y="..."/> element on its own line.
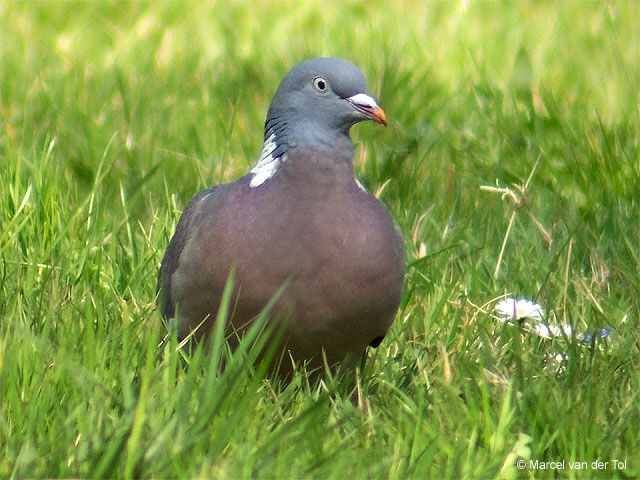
<point x="511" y="164"/>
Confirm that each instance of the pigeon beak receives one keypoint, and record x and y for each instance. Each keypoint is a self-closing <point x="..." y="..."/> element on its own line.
<point x="368" y="106"/>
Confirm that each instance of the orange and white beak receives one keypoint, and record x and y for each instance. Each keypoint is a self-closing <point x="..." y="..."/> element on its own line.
<point x="368" y="107"/>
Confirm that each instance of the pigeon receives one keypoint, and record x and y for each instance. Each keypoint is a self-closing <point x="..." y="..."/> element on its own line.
<point x="298" y="223"/>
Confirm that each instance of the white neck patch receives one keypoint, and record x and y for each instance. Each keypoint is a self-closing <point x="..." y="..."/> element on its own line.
<point x="267" y="165"/>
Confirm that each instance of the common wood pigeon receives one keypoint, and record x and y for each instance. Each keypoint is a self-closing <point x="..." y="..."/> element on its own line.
<point x="299" y="218"/>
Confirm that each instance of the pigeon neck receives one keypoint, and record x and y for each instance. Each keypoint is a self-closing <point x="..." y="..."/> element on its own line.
<point x="280" y="136"/>
<point x="308" y="135"/>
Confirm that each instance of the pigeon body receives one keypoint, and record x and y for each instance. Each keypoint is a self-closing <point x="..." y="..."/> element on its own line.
<point x="299" y="219"/>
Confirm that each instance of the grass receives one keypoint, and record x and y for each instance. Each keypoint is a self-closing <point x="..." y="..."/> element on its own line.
<point x="114" y="114"/>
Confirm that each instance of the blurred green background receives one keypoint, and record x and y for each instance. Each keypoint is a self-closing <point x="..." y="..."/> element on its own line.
<point x="114" y="114"/>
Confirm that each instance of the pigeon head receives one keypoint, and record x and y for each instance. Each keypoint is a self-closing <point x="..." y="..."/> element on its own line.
<point x="329" y="92"/>
<point x="324" y="94"/>
<point x="314" y="107"/>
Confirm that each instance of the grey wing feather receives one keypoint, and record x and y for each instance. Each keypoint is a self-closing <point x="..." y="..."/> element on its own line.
<point x="172" y="256"/>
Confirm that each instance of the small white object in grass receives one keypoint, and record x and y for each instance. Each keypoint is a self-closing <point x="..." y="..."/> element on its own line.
<point x="550" y="331"/>
<point x="519" y="309"/>
<point x="561" y="357"/>
<point x="267" y="164"/>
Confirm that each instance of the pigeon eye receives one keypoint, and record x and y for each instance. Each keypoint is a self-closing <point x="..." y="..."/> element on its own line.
<point x="320" y="84"/>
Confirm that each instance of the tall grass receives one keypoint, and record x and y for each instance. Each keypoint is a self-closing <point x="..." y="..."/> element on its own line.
<point x="114" y="114"/>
